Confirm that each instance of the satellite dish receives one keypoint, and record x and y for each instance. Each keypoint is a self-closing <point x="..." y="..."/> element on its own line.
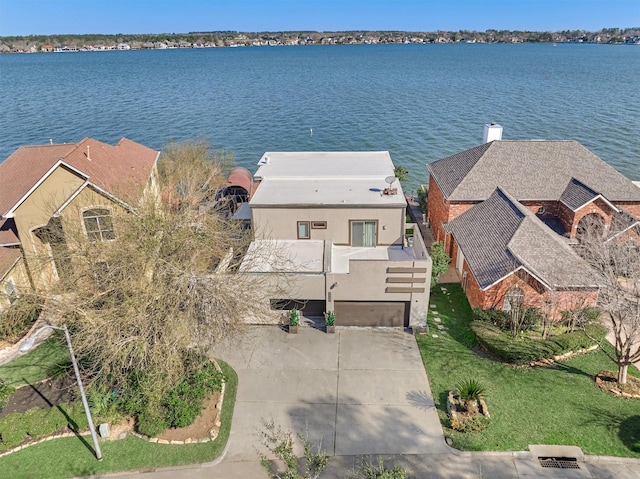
<point x="390" y="179"/>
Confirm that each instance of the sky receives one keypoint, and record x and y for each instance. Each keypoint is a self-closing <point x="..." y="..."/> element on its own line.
<point x="48" y="17"/>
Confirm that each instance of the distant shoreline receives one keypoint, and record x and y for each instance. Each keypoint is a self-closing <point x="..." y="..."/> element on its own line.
<point x="100" y="42"/>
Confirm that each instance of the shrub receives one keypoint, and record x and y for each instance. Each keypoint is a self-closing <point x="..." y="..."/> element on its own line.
<point x="423" y="194"/>
<point x="440" y="260"/>
<point x="523" y="350"/>
<point x="369" y="470"/>
<point x="152" y="422"/>
<point x="18" y="318"/>
<point x="5" y="393"/>
<point x="294" y="317"/>
<point x="470" y="390"/>
<point x="532" y="318"/>
<point x="470" y="423"/>
<point x="185" y="401"/>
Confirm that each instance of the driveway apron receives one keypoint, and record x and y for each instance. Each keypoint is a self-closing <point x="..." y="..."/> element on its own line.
<point x="359" y="391"/>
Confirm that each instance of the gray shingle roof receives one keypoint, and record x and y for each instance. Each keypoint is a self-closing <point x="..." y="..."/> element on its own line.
<point x="577" y="194"/>
<point x="532" y="169"/>
<point x="499" y="235"/>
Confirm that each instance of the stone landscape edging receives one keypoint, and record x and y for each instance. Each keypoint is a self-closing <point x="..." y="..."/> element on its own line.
<point x="212" y="436"/>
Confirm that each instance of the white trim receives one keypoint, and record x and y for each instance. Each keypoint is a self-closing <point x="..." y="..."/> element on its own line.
<point x="11" y="212"/>
<point x="623" y="231"/>
<point x="2" y="278"/>
<point x="614" y="207"/>
<point x="71" y="198"/>
<point x="543" y="283"/>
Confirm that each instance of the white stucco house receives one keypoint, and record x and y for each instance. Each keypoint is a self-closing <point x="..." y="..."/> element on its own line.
<point x="330" y="227"/>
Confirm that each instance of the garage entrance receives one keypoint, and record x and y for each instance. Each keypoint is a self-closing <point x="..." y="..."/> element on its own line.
<point x="372" y="313"/>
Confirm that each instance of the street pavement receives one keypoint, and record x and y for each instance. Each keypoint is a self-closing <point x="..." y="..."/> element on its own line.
<point x="361" y="393"/>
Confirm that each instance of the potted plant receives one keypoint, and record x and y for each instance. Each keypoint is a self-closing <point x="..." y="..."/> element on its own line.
<point x="294" y="319"/>
<point x="330" y="318"/>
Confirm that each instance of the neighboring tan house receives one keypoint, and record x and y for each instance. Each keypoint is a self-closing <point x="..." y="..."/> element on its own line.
<point x="46" y="190"/>
<point x="330" y="227"/>
<point x="513" y="209"/>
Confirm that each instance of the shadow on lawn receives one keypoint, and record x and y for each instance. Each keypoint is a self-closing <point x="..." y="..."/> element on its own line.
<point x="70" y="422"/>
<point x="629" y="433"/>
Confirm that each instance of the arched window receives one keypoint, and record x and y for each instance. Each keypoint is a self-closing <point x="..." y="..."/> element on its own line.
<point x="513" y="299"/>
<point x="98" y="224"/>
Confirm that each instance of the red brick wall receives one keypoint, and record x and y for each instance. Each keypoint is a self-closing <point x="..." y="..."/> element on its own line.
<point x="439" y="211"/>
<point x="550" y="207"/>
<point x="598" y="207"/>
<point x="554" y="302"/>
<point x="633" y="208"/>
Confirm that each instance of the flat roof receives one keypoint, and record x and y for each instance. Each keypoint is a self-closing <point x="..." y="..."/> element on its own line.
<point x="341" y="255"/>
<point x="284" y="256"/>
<point x="345" y="178"/>
<point x="324" y="164"/>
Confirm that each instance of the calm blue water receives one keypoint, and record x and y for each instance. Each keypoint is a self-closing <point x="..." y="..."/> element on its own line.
<point x="420" y="102"/>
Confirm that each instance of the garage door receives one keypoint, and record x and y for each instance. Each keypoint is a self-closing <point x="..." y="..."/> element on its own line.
<point x="372" y="313"/>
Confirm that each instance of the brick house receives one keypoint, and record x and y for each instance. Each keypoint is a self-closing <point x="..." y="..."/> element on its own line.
<point x="48" y="190"/>
<point x="509" y="212"/>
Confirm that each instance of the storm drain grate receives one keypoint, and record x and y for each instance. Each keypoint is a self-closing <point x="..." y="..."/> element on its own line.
<point x="559" y="462"/>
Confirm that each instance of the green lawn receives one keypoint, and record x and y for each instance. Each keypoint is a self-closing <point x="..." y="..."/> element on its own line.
<point x="35" y="365"/>
<point x="558" y="405"/>
<point x="70" y="457"/>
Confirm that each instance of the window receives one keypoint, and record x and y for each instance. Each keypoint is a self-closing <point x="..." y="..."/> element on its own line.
<point x="98" y="224"/>
<point x="303" y="230"/>
<point x="363" y="233"/>
<point x="513" y="299"/>
<point x="10" y="291"/>
<point x="319" y="225"/>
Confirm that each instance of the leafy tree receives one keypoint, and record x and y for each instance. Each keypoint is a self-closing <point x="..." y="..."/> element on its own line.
<point x="440" y="260"/>
<point x="401" y="173"/>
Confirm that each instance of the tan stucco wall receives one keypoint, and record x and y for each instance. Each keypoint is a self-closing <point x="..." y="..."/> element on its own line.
<point x="282" y="223"/>
<point x="37" y="210"/>
<point x="17" y="274"/>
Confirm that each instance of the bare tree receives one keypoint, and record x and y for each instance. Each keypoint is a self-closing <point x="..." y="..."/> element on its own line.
<point x="618" y="264"/>
<point x="147" y="303"/>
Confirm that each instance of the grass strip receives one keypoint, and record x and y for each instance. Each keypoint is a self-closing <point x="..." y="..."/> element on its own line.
<point x="35" y="365"/>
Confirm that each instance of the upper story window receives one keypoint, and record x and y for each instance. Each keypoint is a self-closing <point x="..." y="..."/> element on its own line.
<point x="98" y="224"/>
<point x="364" y="233"/>
<point x="304" y="230"/>
<point x="10" y="291"/>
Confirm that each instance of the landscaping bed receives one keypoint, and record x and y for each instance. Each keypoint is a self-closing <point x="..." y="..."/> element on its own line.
<point x="69" y="456"/>
<point x="558" y="404"/>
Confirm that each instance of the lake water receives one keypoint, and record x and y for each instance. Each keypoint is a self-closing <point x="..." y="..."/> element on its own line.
<point x="420" y="102"/>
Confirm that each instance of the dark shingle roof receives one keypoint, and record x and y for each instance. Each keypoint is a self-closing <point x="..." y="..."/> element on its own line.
<point x="499" y="235"/>
<point x="532" y="169"/>
<point x="577" y="194"/>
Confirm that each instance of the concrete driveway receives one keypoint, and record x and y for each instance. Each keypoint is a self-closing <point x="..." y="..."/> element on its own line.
<point x="357" y="391"/>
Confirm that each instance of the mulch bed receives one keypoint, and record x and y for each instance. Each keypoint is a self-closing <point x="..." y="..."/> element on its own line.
<point x="608" y="382"/>
<point x="45" y="394"/>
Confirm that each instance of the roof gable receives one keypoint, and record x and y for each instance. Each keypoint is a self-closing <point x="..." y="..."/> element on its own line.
<point x="533" y="169"/>
<point x="499" y="236"/>
<point x="577" y="194"/>
<point x="122" y="170"/>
